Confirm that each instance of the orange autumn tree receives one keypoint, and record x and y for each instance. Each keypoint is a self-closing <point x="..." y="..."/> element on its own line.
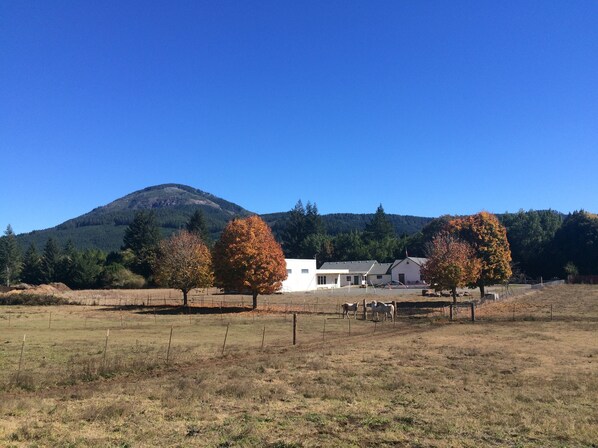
<point x="248" y="258"/>
<point x="488" y="237"/>
<point x="184" y="262"/>
<point x="451" y="264"/>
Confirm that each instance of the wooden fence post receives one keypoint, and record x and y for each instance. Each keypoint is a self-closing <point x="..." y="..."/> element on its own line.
<point x="349" y="320"/>
<point x="105" y="349"/>
<point x="168" y="350"/>
<point x="472" y="312"/>
<point x="365" y="311"/>
<point x="225" y="336"/>
<point x="451" y="312"/>
<point x="21" y="358"/>
<point x="263" y="337"/>
<point x="294" y="329"/>
<point x="551" y="311"/>
<point x="396" y="310"/>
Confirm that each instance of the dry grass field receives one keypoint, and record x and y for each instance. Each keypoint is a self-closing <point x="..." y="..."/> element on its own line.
<point x="513" y="378"/>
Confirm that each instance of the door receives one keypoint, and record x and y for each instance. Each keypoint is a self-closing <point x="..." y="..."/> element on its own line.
<point x="356" y="279"/>
<point x="402" y="278"/>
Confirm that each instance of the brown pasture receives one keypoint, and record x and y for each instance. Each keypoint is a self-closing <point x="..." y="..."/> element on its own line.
<point x="524" y="374"/>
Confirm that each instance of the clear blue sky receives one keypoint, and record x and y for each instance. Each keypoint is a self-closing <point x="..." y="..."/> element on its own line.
<point x="428" y="107"/>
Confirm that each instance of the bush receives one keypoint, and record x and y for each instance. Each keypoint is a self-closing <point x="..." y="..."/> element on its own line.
<point x="31" y="299"/>
<point x="118" y="276"/>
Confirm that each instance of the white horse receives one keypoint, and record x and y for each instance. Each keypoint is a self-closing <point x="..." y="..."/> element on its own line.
<point x="387" y="309"/>
<point x="347" y="307"/>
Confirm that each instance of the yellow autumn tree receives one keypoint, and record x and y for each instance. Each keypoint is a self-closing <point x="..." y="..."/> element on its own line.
<point x="488" y="237"/>
<point x="183" y="262"/>
<point x="248" y="258"/>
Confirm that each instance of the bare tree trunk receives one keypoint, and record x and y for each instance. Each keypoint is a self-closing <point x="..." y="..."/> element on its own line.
<point x="454" y="291"/>
<point x="254" y="293"/>
<point x="185" y="297"/>
<point x="482" y="291"/>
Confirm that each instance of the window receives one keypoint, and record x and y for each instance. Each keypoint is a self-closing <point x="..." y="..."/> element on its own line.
<point x="378" y="277"/>
<point x="305" y="271"/>
<point x="335" y="280"/>
<point x="321" y="279"/>
<point x="289" y="271"/>
<point x="348" y="278"/>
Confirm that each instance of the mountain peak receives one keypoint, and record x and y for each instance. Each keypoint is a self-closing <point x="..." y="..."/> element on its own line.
<point x="169" y="195"/>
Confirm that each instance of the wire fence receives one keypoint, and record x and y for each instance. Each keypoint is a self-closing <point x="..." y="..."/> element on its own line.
<point x="42" y="347"/>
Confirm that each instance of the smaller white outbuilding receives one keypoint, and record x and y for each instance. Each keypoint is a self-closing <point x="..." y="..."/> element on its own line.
<point x="408" y="270"/>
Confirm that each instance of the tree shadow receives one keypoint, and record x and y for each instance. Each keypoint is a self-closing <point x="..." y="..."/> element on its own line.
<point x="174" y="310"/>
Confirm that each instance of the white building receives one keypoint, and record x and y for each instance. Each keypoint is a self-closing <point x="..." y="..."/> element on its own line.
<point x="380" y="274"/>
<point x="352" y="272"/>
<point x="301" y="275"/>
<point x="407" y="271"/>
<point x="330" y="278"/>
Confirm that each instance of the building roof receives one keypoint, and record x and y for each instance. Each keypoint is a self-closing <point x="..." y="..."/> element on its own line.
<point x="357" y="267"/>
<point x="417" y="260"/>
<point x="380" y="269"/>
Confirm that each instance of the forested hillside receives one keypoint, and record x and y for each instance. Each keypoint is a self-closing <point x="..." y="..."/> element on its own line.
<point x="543" y="243"/>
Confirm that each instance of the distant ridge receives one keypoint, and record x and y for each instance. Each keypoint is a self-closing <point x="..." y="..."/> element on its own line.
<point x="103" y="227"/>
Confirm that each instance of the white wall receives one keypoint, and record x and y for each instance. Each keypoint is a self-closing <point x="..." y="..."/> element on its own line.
<point x="410" y="269"/>
<point x="374" y="280"/>
<point x="301" y="275"/>
<point x="332" y="278"/>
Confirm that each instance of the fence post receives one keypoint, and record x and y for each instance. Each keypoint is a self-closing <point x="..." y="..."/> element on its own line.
<point x="168" y="350"/>
<point x="349" y="320"/>
<point x="324" y="331"/>
<point x="451" y="312"/>
<point x="365" y="311"/>
<point x="396" y="310"/>
<point x="263" y="337"/>
<point x="225" y="336"/>
<point x="21" y="358"/>
<point x="294" y="329"/>
<point x="472" y="312"/>
<point x="105" y="349"/>
<point x="551" y="311"/>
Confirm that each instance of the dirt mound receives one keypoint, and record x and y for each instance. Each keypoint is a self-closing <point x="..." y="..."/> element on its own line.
<point x="47" y="290"/>
<point x="60" y="286"/>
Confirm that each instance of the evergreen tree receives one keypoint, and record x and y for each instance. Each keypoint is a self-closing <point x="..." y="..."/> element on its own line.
<point x="10" y="258"/>
<point x="576" y="242"/>
<point x="313" y="220"/>
<point x="380" y="227"/>
<point x="294" y="232"/>
<point x="66" y="264"/>
<point x="141" y="238"/>
<point x="197" y="225"/>
<point x="32" y="266"/>
<point x="49" y="262"/>
<point x="86" y="269"/>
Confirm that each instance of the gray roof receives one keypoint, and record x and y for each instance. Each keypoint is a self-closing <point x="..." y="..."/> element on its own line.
<point x="357" y="267"/>
<point x="381" y="269"/>
<point x="417" y="260"/>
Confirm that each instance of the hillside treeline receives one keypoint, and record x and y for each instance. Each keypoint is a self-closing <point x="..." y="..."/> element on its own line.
<point x="543" y="244"/>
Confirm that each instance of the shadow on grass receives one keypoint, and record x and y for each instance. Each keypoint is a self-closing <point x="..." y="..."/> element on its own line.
<point x="179" y="310"/>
